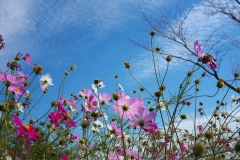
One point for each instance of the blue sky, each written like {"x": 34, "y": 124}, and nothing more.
{"x": 92, "y": 35}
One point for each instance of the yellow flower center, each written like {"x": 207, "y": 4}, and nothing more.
{"x": 90, "y": 104}
{"x": 68, "y": 115}
{"x": 16, "y": 89}
{"x": 26, "y": 127}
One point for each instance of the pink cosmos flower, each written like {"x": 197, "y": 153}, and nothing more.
{"x": 200, "y": 128}
{"x": 182, "y": 146}
{"x": 133, "y": 155}
{"x": 113, "y": 129}
{"x": 27, "y": 58}
{"x": 10, "y": 79}
{"x": 18, "y": 90}
{"x": 22, "y": 75}
{"x": 91, "y": 103}
{"x": 143, "y": 119}
{"x": 104, "y": 98}
{"x": 25, "y": 129}
{"x": 127, "y": 108}
{"x": 205, "y": 57}
{"x": 86, "y": 93}
{"x": 114, "y": 156}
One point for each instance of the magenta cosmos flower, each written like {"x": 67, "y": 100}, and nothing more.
{"x": 126, "y": 108}
{"x": 55, "y": 118}
{"x": 104, "y": 98}
{"x": 25, "y": 129}
{"x": 205, "y": 57}
{"x": 143, "y": 119}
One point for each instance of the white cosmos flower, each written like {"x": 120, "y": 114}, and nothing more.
{"x": 73, "y": 109}
{"x": 94, "y": 88}
{"x": 162, "y": 105}
{"x": 95, "y": 129}
{"x": 121, "y": 87}
{"x": 101, "y": 85}
{"x": 98, "y": 123}
{"x": 45, "y": 81}
{"x": 20, "y": 107}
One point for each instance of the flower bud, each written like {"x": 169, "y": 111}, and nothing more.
{"x": 220, "y": 83}
{"x": 54, "y": 103}
{"x": 197, "y": 81}
{"x": 208, "y": 134}
{"x": 236, "y": 74}
{"x": 85, "y": 123}
{"x": 190, "y": 73}
{"x": 116, "y": 76}
{"x": 73, "y": 67}
{"x": 162, "y": 87}
{"x": 142, "y": 89}
{"x": 127, "y": 64}
{"x": 158, "y": 93}
{"x": 152, "y": 32}
{"x": 168, "y": 58}
{"x": 115, "y": 96}
{"x": 183, "y": 116}
{"x": 158, "y": 49}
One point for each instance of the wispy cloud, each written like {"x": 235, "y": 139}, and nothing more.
{"x": 48, "y": 28}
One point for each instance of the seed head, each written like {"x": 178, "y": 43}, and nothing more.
{"x": 198, "y": 149}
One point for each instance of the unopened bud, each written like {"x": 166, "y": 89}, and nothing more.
{"x": 115, "y": 96}
{"x": 127, "y": 64}
{"x": 169, "y": 58}
{"x": 73, "y": 67}
{"x": 220, "y": 83}
{"x": 152, "y": 32}
{"x": 37, "y": 69}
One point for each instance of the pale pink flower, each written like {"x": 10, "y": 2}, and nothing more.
{"x": 205, "y": 57}
{"x": 143, "y": 119}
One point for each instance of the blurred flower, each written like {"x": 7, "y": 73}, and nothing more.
{"x": 121, "y": 87}
{"x": 95, "y": 129}
{"x": 1, "y": 42}
{"x": 104, "y": 98}
{"x": 25, "y": 129}
{"x": 63, "y": 156}
{"x": 205, "y": 57}
{"x": 113, "y": 129}
{"x": 101, "y": 85}
{"x": 94, "y": 88}
{"x": 98, "y": 123}
{"x": 45, "y": 81}
{"x": 20, "y": 107}
{"x": 200, "y": 128}
{"x": 27, "y": 58}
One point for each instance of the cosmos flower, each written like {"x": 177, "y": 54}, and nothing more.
{"x": 143, "y": 119}
{"x": 121, "y": 87}
{"x": 27, "y": 58}
{"x": 45, "y": 81}
{"x": 18, "y": 90}
{"x": 25, "y": 129}
{"x": 55, "y": 118}
{"x": 126, "y": 108}
{"x": 104, "y": 98}
{"x": 205, "y": 57}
